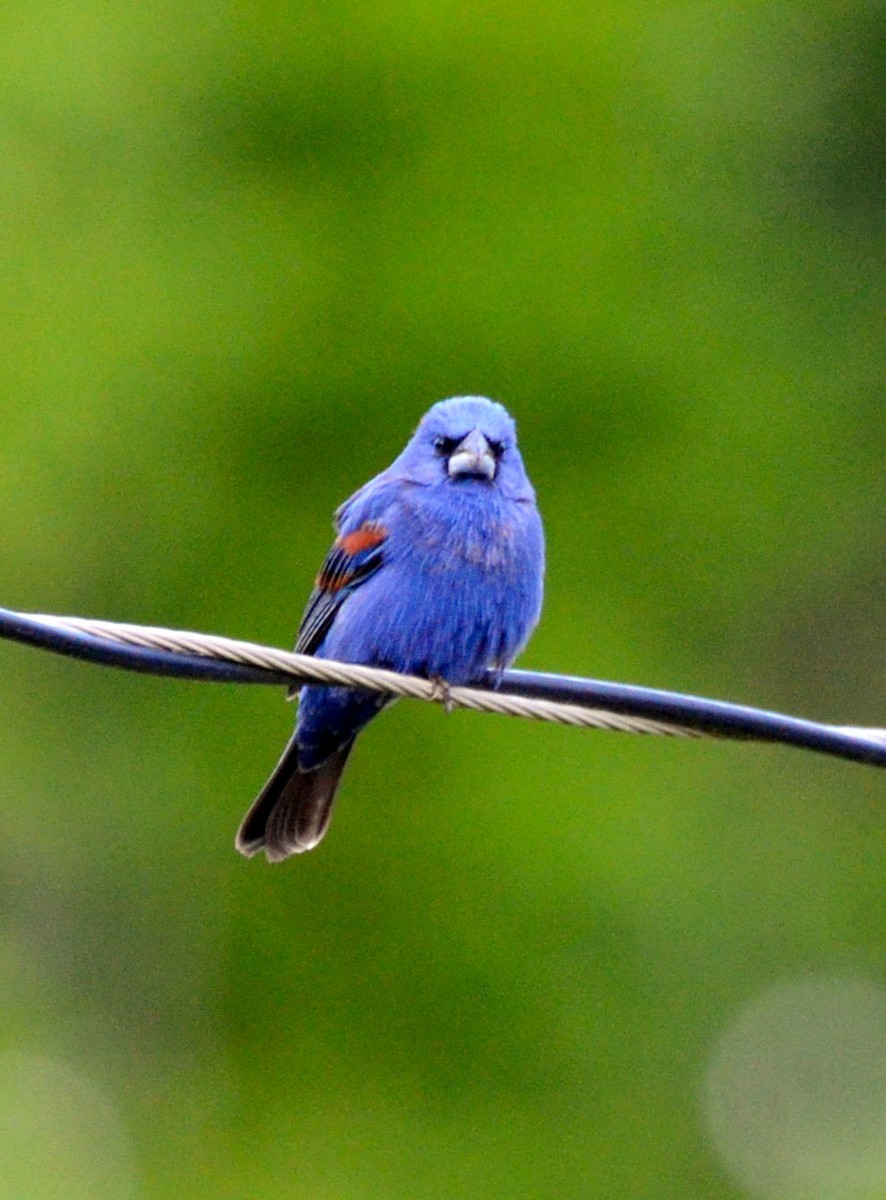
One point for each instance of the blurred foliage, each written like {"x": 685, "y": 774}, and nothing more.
{"x": 242, "y": 248}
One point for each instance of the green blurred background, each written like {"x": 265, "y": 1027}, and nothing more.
{"x": 243, "y": 248}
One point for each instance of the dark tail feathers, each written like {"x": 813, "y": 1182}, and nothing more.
{"x": 292, "y": 811}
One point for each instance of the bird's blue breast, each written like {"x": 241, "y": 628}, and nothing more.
{"x": 460, "y": 589}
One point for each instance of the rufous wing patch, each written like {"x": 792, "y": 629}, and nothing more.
{"x": 365, "y": 538}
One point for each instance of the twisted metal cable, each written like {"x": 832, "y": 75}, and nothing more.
{"x": 569, "y": 700}
{"x": 306, "y": 668}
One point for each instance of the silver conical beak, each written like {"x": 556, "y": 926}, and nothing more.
{"x": 472, "y": 456}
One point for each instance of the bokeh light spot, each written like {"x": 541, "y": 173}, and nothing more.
{"x": 795, "y": 1092}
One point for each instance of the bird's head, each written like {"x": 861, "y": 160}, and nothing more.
{"x": 467, "y": 439}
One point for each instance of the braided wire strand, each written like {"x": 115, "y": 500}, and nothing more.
{"x": 324, "y": 670}
{"x": 567, "y": 699}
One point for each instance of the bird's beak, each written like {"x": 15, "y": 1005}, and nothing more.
{"x": 472, "y": 456}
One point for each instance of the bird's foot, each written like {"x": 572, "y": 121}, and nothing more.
{"x": 442, "y": 693}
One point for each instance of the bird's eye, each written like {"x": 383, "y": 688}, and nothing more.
{"x": 445, "y": 446}
{"x": 497, "y": 449}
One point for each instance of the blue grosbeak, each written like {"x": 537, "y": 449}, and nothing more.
{"x": 437, "y": 571}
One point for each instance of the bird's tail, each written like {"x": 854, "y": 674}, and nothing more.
{"x": 292, "y": 811}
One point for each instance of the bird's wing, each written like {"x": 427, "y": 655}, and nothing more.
{"x": 354, "y": 556}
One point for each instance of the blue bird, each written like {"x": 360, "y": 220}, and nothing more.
{"x": 437, "y": 570}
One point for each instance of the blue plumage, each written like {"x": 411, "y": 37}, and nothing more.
{"x": 437, "y": 570}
